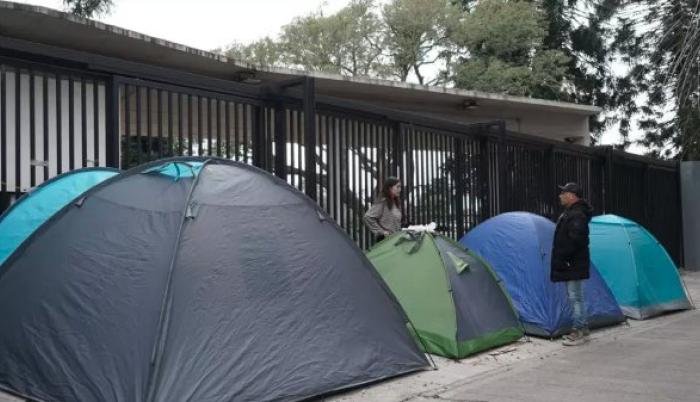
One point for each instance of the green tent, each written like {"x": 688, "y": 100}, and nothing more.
{"x": 452, "y": 297}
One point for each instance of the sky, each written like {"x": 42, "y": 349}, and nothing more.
{"x": 216, "y": 23}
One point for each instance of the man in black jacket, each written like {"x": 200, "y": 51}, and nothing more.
{"x": 571, "y": 258}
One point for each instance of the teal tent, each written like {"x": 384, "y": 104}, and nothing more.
{"x": 42, "y": 202}
{"x": 636, "y": 267}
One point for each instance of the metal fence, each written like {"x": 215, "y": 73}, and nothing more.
{"x": 337, "y": 152}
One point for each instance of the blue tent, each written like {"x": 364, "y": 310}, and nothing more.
{"x": 42, "y": 202}
{"x": 518, "y": 245}
{"x": 639, "y": 271}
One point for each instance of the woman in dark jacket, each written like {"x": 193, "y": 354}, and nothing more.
{"x": 385, "y": 215}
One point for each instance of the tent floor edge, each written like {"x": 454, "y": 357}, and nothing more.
{"x": 489, "y": 341}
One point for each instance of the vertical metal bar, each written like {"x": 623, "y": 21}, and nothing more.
{"x": 397, "y": 150}
{"x": 280, "y": 142}
{"x": 59, "y": 124}
{"x": 211, "y": 106}
{"x": 218, "y": 127}
{"x": 227, "y": 123}
{"x": 442, "y": 178}
{"x": 160, "y": 113}
{"x": 369, "y": 165}
{"x": 320, "y": 130}
{"x": 341, "y": 169}
{"x": 149, "y": 124}
{"x": 459, "y": 185}
{"x": 83, "y": 121}
{"x": 431, "y": 138}
{"x": 190, "y": 124}
{"x": 3, "y": 129}
{"x": 607, "y": 188}
{"x": 171, "y": 125}
{"x": 291, "y": 134}
{"x": 139, "y": 142}
{"x": 425, "y": 172}
{"x": 357, "y": 183}
{"x": 237, "y": 130}
{"x": 200, "y": 125}
{"x": 71, "y": 124}
{"x": 45, "y": 110}
{"x": 414, "y": 175}
{"x": 349, "y": 166}
{"x": 181, "y": 122}
{"x": 469, "y": 177}
{"x": 484, "y": 178}
{"x": 18, "y": 136}
{"x": 310, "y": 135}
{"x": 96, "y": 122}
{"x": 258, "y": 136}
{"x": 113, "y": 134}
{"x": 331, "y": 134}
{"x": 246, "y": 132}
{"x": 424, "y": 199}
{"x": 32, "y": 130}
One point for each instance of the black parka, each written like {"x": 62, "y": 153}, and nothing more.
{"x": 570, "y": 254}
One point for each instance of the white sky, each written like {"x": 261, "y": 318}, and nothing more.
{"x": 205, "y": 24}
{"x": 208, "y": 24}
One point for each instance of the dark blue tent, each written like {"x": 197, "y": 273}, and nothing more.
{"x": 199, "y": 280}
{"x": 518, "y": 245}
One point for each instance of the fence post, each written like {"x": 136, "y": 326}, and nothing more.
{"x": 112, "y": 106}
{"x": 310, "y": 137}
{"x": 681, "y": 240}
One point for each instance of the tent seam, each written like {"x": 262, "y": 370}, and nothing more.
{"x": 166, "y": 303}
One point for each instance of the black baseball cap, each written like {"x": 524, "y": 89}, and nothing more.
{"x": 571, "y": 188}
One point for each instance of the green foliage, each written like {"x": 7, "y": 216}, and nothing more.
{"x": 416, "y": 33}
{"x": 263, "y": 52}
{"x": 88, "y": 8}
{"x": 506, "y": 52}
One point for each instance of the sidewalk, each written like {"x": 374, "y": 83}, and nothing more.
{"x": 652, "y": 360}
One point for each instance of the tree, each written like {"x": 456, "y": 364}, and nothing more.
{"x": 671, "y": 70}
{"x": 88, "y": 8}
{"x": 348, "y": 42}
{"x": 263, "y": 52}
{"x": 504, "y": 40}
{"x": 416, "y": 34}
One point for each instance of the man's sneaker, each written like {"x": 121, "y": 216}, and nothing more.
{"x": 576, "y": 338}
{"x": 585, "y": 331}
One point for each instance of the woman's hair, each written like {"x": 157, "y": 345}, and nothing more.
{"x": 385, "y": 194}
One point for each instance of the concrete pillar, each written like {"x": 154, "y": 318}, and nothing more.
{"x": 690, "y": 200}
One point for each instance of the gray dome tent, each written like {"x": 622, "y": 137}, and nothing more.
{"x": 194, "y": 279}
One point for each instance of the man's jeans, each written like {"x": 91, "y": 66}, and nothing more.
{"x": 574, "y": 289}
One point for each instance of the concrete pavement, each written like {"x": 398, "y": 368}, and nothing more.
{"x": 652, "y": 360}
